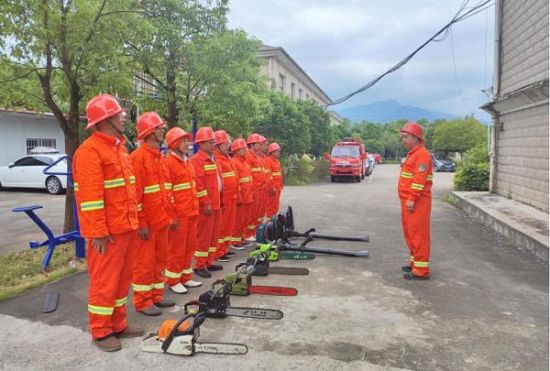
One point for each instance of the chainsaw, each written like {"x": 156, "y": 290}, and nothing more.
{"x": 273, "y": 253}
{"x": 262, "y": 267}
{"x": 180, "y": 338}
{"x": 241, "y": 284}
{"x": 215, "y": 303}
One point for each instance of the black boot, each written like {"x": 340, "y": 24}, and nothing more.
{"x": 410, "y": 276}
{"x": 215, "y": 267}
{"x": 204, "y": 273}
{"x": 406, "y": 268}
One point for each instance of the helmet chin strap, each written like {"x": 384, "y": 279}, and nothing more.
{"x": 121, "y": 133}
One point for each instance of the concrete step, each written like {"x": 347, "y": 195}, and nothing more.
{"x": 523, "y": 225}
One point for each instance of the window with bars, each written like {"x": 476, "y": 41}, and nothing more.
{"x": 47, "y": 143}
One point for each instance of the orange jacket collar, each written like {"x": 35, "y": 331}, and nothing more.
{"x": 114, "y": 141}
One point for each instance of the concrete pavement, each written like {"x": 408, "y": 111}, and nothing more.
{"x": 486, "y": 307}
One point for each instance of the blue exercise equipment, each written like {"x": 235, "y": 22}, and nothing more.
{"x": 53, "y": 241}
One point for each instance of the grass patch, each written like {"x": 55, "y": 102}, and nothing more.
{"x": 449, "y": 198}
{"x": 20, "y": 271}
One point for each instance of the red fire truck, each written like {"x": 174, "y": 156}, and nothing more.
{"x": 347, "y": 159}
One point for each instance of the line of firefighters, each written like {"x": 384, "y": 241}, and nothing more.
{"x": 145, "y": 215}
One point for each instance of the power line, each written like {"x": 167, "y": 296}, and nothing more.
{"x": 482, "y": 5}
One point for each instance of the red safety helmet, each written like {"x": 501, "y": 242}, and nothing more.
{"x": 204, "y": 134}
{"x": 100, "y": 108}
{"x": 147, "y": 123}
{"x": 237, "y": 144}
{"x": 262, "y": 139}
{"x": 273, "y": 147}
{"x": 221, "y": 137}
{"x": 253, "y": 138}
{"x": 413, "y": 128}
{"x": 174, "y": 136}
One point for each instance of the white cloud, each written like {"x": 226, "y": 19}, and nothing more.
{"x": 343, "y": 45}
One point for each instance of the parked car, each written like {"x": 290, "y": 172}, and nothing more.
{"x": 27, "y": 172}
{"x": 443, "y": 165}
{"x": 377, "y": 158}
{"x": 347, "y": 160}
{"x": 371, "y": 162}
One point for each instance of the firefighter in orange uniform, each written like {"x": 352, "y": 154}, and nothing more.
{"x": 107, "y": 212}
{"x": 183, "y": 238}
{"x": 209, "y": 186}
{"x": 269, "y": 190}
{"x": 230, "y": 186}
{"x": 253, "y": 159}
{"x": 274, "y": 166}
{"x": 415, "y": 184}
{"x": 155, "y": 216}
{"x": 245, "y": 196}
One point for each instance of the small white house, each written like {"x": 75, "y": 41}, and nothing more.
{"x": 22, "y": 131}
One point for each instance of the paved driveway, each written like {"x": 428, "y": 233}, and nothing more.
{"x": 486, "y": 307}
{"x": 17, "y": 229}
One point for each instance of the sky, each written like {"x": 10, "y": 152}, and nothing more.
{"x": 342, "y": 45}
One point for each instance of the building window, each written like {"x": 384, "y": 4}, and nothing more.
{"x": 282, "y": 83}
{"x": 144, "y": 85}
{"x": 300, "y": 94}
{"x": 45, "y": 144}
{"x": 293, "y": 91}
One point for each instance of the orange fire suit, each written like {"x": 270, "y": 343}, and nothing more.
{"x": 274, "y": 166}
{"x": 107, "y": 206}
{"x": 229, "y": 195}
{"x": 258, "y": 182}
{"x": 209, "y": 186}
{"x": 268, "y": 187}
{"x": 183, "y": 240}
{"x": 153, "y": 190}
{"x": 415, "y": 183}
{"x": 245, "y": 199}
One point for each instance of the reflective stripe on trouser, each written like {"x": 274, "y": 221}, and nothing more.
{"x": 226, "y": 226}
{"x": 182, "y": 245}
{"x": 110, "y": 276}
{"x": 416, "y": 230}
{"x": 207, "y": 238}
{"x": 273, "y": 203}
{"x": 150, "y": 262}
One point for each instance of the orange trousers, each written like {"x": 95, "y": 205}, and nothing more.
{"x": 416, "y": 230}
{"x": 273, "y": 203}
{"x": 229, "y": 212}
{"x": 208, "y": 230}
{"x": 182, "y": 246}
{"x": 252, "y": 213}
{"x": 240, "y": 226}
{"x": 149, "y": 265}
{"x": 110, "y": 278}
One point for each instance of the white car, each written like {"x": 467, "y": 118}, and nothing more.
{"x": 27, "y": 172}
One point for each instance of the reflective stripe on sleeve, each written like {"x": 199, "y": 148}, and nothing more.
{"x": 151, "y": 189}
{"x": 202, "y": 193}
{"x": 229, "y": 174}
{"x": 181, "y": 186}
{"x": 418, "y": 187}
{"x": 209, "y": 167}
{"x": 276, "y": 173}
{"x": 245, "y": 179}
{"x": 113, "y": 183}
{"x": 92, "y": 205}
{"x": 201, "y": 254}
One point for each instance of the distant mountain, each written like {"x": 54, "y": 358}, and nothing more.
{"x": 391, "y": 110}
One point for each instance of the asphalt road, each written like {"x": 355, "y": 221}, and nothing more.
{"x": 485, "y": 308}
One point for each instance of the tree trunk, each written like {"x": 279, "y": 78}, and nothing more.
{"x": 172, "y": 104}
{"x": 72, "y": 141}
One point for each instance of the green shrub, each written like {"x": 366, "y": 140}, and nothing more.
{"x": 473, "y": 171}
{"x": 303, "y": 170}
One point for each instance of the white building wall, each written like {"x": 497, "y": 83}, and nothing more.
{"x": 15, "y": 128}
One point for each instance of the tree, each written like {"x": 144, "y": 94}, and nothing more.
{"x": 167, "y": 29}
{"x": 61, "y": 52}
{"x": 459, "y": 135}
{"x": 286, "y": 125}
{"x": 375, "y": 145}
{"x": 319, "y": 125}
{"x": 429, "y": 132}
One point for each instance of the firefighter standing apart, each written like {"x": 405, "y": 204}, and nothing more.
{"x": 107, "y": 211}
{"x": 154, "y": 209}
{"x": 414, "y": 187}
{"x": 183, "y": 238}
{"x": 209, "y": 185}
